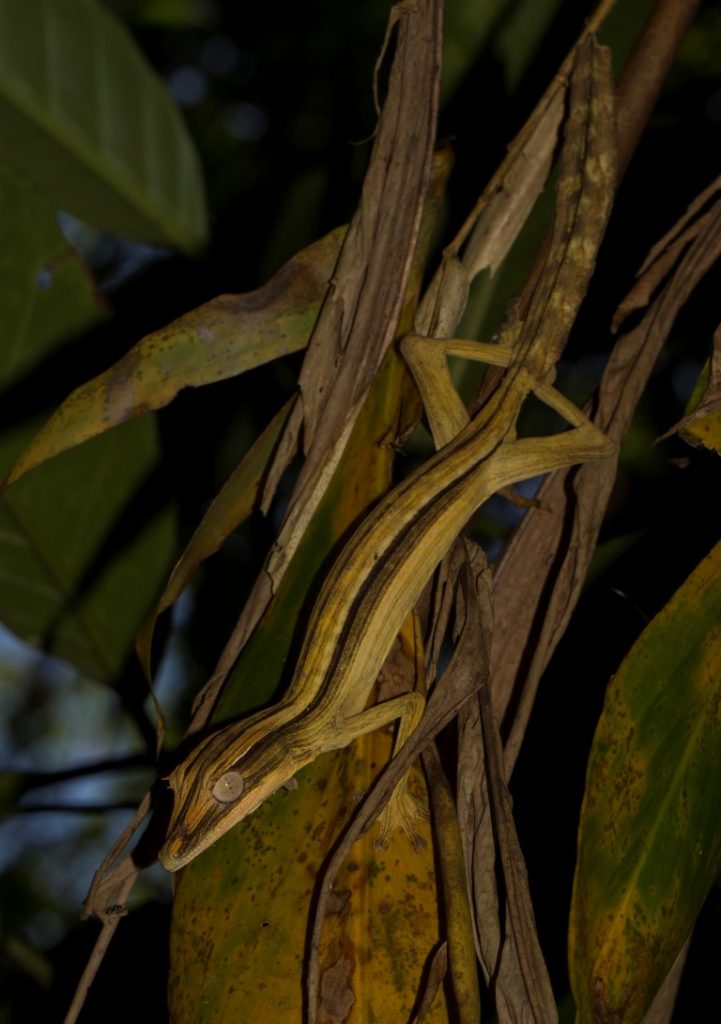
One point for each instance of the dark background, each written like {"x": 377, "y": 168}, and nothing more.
{"x": 278, "y": 100}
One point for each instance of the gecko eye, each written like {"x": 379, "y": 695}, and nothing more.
{"x": 228, "y": 788}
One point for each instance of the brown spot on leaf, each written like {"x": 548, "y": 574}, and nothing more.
{"x": 337, "y": 901}
{"x": 602, "y": 1014}
{"x": 336, "y": 993}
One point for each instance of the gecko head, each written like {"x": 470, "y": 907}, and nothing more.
{"x": 221, "y": 782}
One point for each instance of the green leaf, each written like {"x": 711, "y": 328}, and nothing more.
{"x": 46, "y": 293}
{"x": 84, "y": 115}
{"x": 466, "y": 29}
{"x": 701, "y": 424}
{"x": 247, "y": 907}
{"x": 220, "y": 339}
{"x": 232, "y": 505}
{"x": 650, "y": 836}
{"x": 520, "y": 36}
{"x": 60, "y": 588}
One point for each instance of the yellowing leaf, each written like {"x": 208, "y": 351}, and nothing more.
{"x": 702, "y": 422}
{"x": 241, "y": 910}
{"x": 221, "y": 339}
{"x": 650, "y": 837}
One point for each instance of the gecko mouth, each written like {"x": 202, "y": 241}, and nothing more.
{"x": 176, "y": 851}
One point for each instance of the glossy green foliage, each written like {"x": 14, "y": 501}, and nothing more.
{"x": 46, "y": 294}
{"x": 79, "y": 571}
{"x": 84, "y": 116}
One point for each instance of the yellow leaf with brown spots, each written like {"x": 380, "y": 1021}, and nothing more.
{"x": 222, "y": 338}
{"x": 650, "y": 838}
{"x": 241, "y": 912}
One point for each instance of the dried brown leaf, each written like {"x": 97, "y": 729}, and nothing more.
{"x": 586, "y": 180}
{"x": 551, "y": 549}
{"x": 508, "y": 208}
{"x": 649, "y": 280}
{"x": 436, "y": 974}
{"x": 477, "y": 832}
{"x": 512, "y": 963}
{"x": 491, "y": 228}
{"x": 661, "y": 1009}
{"x": 472, "y": 791}
{"x": 110, "y": 878}
{"x": 452, "y": 878}
{"x": 535, "y": 999}
{"x": 679, "y": 229}
{"x": 664, "y": 255}
{"x": 359, "y": 318}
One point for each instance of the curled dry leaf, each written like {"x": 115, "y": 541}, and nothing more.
{"x": 221, "y": 339}
{"x": 361, "y": 315}
{"x": 544, "y": 543}
{"x": 434, "y": 979}
{"x": 553, "y": 545}
{"x": 360, "y": 318}
{"x": 451, "y": 872}
{"x": 665, "y": 254}
{"x": 510, "y": 957}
